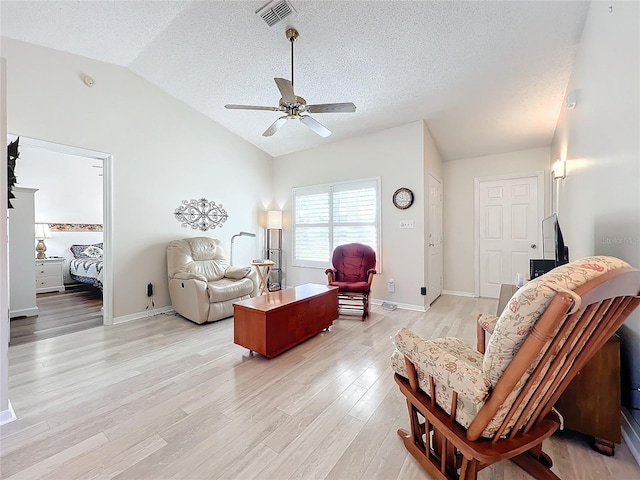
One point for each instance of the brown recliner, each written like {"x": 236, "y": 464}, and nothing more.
{"x": 353, "y": 270}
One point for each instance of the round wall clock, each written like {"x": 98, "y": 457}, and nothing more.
{"x": 403, "y": 198}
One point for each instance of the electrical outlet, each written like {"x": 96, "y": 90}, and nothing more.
{"x": 149, "y": 289}
{"x": 423, "y": 290}
{"x": 391, "y": 285}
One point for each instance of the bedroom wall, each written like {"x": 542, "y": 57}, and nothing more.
{"x": 163, "y": 153}
{"x": 599, "y": 200}
{"x": 69, "y": 186}
{"x": 396, "y": 156}
{"x": 458, "y": 176}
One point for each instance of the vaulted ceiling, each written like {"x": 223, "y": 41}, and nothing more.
{"x": 487, "y": 77}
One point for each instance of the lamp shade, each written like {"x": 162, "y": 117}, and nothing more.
{"x": 274, "y": 219}
{"x": 559, "y": 169}
{"x": 42, "y": 231}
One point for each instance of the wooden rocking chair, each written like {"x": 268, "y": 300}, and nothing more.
{"x": 468, "y": 411}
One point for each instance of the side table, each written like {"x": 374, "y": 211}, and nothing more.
{"x": 49, "y": 275}
{"x": 263, "y": 267}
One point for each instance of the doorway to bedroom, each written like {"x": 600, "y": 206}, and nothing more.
{"x": 67, "y": 257}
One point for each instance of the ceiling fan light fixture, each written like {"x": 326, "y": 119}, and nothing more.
{"x": 275, "y": 11}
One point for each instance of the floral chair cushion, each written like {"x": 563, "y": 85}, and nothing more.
{"x": 487, "y": 322}
{"x": 454, "y": 365}
{"x": 528, "y": 303}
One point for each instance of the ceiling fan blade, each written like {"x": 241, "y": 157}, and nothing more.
{"x": 286, "y": 90}
{"x": 331, "y": 108}
{"x": 251, "y": 107}
{"x": 275, "y": 126}
{"x": 315, "y": 125}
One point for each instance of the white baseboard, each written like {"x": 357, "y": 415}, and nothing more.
{"x": 631, "y": 434}
{"x": 25, "y": 312}
{"x": 458, "y": 294}
{"x": 403, "y": 306}
{"x": 146, "y": 314}
{"x": 8, "y": 415}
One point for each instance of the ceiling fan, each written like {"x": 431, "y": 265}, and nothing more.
{"x": 294, "y": 106}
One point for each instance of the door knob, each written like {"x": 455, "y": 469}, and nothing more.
{"x": 432, "y": 244}
{"x": 534, "y": 246}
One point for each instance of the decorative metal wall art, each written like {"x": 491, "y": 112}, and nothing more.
{"x": 201, "y": 214}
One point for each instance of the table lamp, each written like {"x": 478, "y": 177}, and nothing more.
{"x": 42, "y": 232}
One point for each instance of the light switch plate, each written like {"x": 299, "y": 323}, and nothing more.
{"x": 406, "y": 223}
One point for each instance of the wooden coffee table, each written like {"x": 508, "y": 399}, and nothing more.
{"x": 272, "y": 323}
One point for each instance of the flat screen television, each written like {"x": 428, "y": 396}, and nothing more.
{"x": 553, "y": 247}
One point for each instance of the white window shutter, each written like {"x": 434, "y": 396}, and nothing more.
{"x": 326, "y": 216}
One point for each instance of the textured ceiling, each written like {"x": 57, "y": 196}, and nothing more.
{"x": 488, "y": 77}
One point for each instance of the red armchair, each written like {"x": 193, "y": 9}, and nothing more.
{"x": 353, "y": 270}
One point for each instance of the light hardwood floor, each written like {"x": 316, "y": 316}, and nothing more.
{"x": 164, "y": 398}
{"x": 76, "y": 309}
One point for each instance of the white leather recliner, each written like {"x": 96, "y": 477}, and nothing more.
{"x": 202, "y": 285}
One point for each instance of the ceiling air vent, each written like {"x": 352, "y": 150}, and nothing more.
{"x": 275, "y": 11}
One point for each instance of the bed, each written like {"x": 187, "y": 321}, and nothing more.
{"x": 87, "y": 263}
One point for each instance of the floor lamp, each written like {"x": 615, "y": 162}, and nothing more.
{"x": 274, "y": 248}
{"x": 241, "y": 234}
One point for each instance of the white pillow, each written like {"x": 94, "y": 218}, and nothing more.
{"x": 92, "y": 251}
{"x": 237, "y": 273}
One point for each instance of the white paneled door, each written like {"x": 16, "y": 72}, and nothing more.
{"x": 509, "y": 228}
{"x": 434, "y": 239}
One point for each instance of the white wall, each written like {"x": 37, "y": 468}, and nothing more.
{"x": 599, "y": 201}
{"x": 432, "y": 166}
{"x": 458, "y": 207}
{"x": 432, "y": 157}
{"x": 69, "y": 186}
{"x": 163, "y": 151}
{"x": 396, "y": 156}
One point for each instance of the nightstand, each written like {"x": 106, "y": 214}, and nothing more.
{"x": 49, "y": 275}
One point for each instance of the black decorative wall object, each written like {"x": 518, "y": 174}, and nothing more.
{"x": 201, "y": 214}
{"x": 12, "y": 156}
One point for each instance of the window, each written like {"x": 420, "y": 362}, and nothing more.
{"x": 325, "y": 216}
